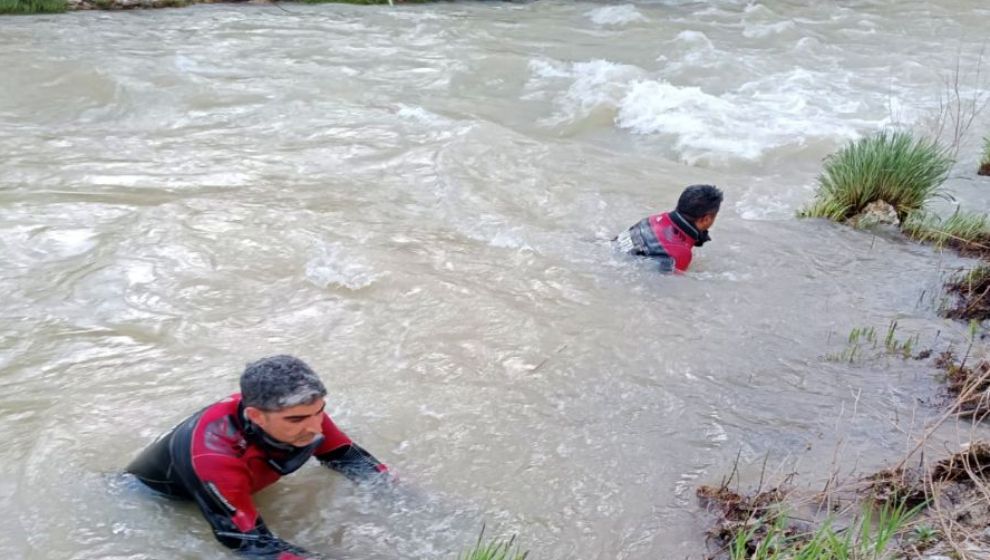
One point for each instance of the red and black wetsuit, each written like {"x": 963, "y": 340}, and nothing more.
{"x": 219, "y": 459}
{"x": 668, "y": 238}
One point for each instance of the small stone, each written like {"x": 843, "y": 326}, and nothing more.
{"x": 876, "y": 213}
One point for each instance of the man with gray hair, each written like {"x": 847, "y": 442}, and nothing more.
{"x": 223, "y": 454}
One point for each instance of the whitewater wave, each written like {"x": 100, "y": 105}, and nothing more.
{"x": 788, "y": 108}
{"x": 745, "y": 123}
{"x": 593, "y": 85}
{"x": 335, "y": 267}
{"x": 615, "y": 15}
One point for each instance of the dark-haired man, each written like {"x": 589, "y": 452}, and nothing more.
{"x": 671, "y": 236}
{"x": 223, "y": 454}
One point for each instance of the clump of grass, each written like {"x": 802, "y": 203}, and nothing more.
{"x": 924, "y": 535}
{"x": 973, "y": 291}
{"x": 968, "y": 233}
{"x": 969, "y": 385}
{"x": 864, "y": 343}
{"x": 495, "y": 549}
{"x": 868, "y": 538}
{"x": 985, "y": 158}
{"x": 894, "y": 167}
{"x": 33, "y": 6}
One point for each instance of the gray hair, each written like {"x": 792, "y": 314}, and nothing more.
{"x": 279, "y": 382}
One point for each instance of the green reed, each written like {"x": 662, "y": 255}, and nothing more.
{"x": 32, "y": 6}
{"x": 895, "y": 167}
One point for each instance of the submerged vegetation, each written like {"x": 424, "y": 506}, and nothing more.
{"x": 868, "y": 538}
{"x": 972, "y": 291}
{"x": 985, "y": 158}
{"x": 33, "y": 6}
{"x": 894, "y": 167}
{"x": 758, "y": 527}
{"x": 863, "y": 343}
{"x": 938, "y": 510}
{"x": 965, "y": 232}
{"x": 969, "y": 385}
{"x": 495, "y": 549}
{"x": 899, "y": 173}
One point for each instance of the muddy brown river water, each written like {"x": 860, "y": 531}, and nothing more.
{"x": 418, "y": 200}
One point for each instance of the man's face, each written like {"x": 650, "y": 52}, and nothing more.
{"x": 706, "y": 222}
{"x": 296, "y": 425}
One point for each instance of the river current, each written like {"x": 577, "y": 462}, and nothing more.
{"x": 417, "y": 201}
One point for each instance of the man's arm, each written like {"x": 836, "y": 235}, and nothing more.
{"x": 341, "y": 454}
{"x": 257, "y": 542}
{"x": 228, "y": 508}
{"x": 352, "y": 461}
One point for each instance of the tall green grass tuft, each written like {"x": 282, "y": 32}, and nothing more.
{"x": 869, "y": 538}
{"x": 496, "y": 549}
{"x": 895, "y": 167}
{"x": 33, "y": 6}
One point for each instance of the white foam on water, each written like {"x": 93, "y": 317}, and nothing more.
{"x": 757, "y": 206}
{"x": 761, "y": 30}
{"x": 746, "y": 123}
{"x": 695, "y": 38}
{"x": 508, "y": 240}
{"x": 140, "y": 273}
{"x": 421, "y": 115}
{"x": 335, "y": 267}
{"x": 759, "y": 9}
{"x": 516, "y": 365}
{"x": 594, "y": 85}
{"x": 615, "y": 15}
{"x": 705, "y": 103}
{"x": 741, "y": 122}
{"x": 543, "y": 68}
{"x": 62, "y": 243}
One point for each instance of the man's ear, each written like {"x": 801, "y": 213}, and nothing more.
{"x": 255, "y": 415}
{"x": 705, "y": 222}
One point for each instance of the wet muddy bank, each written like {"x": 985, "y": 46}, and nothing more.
{"x": 932, "y": 511}
{"x": 971, "y": 290}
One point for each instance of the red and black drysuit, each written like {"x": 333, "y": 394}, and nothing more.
{"x": 218, "y": 458}
{"x": 668, "y": 238}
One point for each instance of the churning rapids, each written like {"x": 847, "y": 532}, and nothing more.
{"x": 417, "y": 201}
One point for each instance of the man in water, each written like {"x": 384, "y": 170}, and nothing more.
{"x": 223, "y": 454}
{"x": 670, "y": 237}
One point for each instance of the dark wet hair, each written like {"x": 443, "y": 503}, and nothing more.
{"x": 279, "y": 382}
{"x": 697, "y": 201}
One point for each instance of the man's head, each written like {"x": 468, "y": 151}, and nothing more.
{"x": 699, "y": 204}
{"x": 284, "y": 397}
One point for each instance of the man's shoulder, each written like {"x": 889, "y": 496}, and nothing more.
{"x": 218, "y": 432}
{"x": 228, "y": 405}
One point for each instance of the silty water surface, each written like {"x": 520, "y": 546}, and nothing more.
{"x": 417, "y": 201}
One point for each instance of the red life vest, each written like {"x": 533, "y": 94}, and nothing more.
{"x": 677, "y": 243}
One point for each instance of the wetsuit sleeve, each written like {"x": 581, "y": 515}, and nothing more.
{"x": 341, "y": 454}
{"x": 224, "y": 497}
{"x": 354, "y": 462}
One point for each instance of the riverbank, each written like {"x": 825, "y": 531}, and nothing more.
{"x": 24, "y": 7}
{"x": 933, "y": 511}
